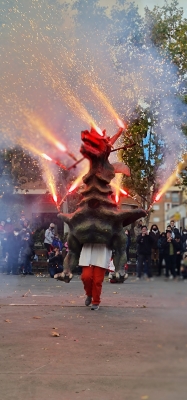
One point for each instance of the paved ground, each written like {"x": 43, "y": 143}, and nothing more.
{"x": 134, "y": 347}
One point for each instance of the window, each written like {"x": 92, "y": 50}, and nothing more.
{"x": 168, "y": 194}
{"x": 167, "y": 206}
{"x": 156, "y": 207}
{"x": 156, "y": 219}
{"x": 175, "y": 197}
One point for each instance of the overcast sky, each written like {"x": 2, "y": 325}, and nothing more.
{"x": 150, "y": 3}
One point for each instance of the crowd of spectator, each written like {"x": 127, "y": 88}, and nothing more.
{"x": 163, "y": 252}
{"x": 18, "y": 247}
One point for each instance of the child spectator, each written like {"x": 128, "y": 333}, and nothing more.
{"x": 57, "y": 242}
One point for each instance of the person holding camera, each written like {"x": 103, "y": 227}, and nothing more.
{"x": 55, "y": 260}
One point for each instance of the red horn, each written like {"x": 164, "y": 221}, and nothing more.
{"x": 116, "y": 136}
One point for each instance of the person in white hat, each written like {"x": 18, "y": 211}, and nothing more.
{"x": 49, "y": 236}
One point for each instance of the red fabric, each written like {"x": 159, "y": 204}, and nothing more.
{"x": 92, "y": 278}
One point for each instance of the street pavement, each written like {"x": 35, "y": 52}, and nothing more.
{"x": 53, "y": 347}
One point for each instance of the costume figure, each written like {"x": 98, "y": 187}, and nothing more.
{"x": 97, "y": 226}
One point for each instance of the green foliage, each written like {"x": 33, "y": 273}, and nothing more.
{"x": 168, "y": 32}
{"x": 39, "y": 235}
{"x": 144, "y": 159}
{"x": 16, "y": 168}
{"x": 24, "y": 166}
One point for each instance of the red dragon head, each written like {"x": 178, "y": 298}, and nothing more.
{"x": 96, "y": 145}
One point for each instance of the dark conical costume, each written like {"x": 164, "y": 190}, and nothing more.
{"x": 98, "y": 219}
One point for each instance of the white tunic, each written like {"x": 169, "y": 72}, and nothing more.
{"x": 95, "y": 254}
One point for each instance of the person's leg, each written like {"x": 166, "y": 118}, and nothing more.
{"x": 178, "y": 264}
{"x": 149, "y": 269}
{"x": 28, "y": 267}
{"x": 127, "y": 254}
{"x": 9, "y": 265}
{"x": 167, "y": 260}
{"x": 15, "y": 267}
{"x": 98, "y": 277}
{"x": 4, "y": 247}
{"x": 157, "y": 258}
{"x": 140, "y": 264}
{"x": 173, "y": 265}
{"x": 161, "y": 258}
{"x": 48, "y": 247}
{"x": 52, "y": 271}
{"x": 87, "y": 279}
{"x": 145, "y": 268}
{"x": 153, "y": 257}
{"x": 59, "y": 268}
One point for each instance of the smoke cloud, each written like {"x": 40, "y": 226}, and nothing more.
{"x": 59, "y": 60}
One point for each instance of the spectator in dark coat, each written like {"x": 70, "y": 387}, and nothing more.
{"x": 184, "y": 239}
{"x": 3, "y": 238}
{"x": 27, "y": 254}
{"x": 55, "y": 262}
{"x": 8, "y": 226}
{"x": 170, "y": 255}
{"x": 179, "y": 253}
{"x": 155, "y": 234}
{"x": 161, "y": 247}
{"x": 144, "y": 242}
{"x": 26, "y": 228}
{"x": 7, "y": 229}
{"x": 183, "y": 269}
{"x": 174, "y": 230}
{"x": 13, "y": 250}
{"x": 128, "y": 243}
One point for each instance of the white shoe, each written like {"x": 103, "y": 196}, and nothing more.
{"x": 171, "y": 277}
{"x": 137, "y": 279}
